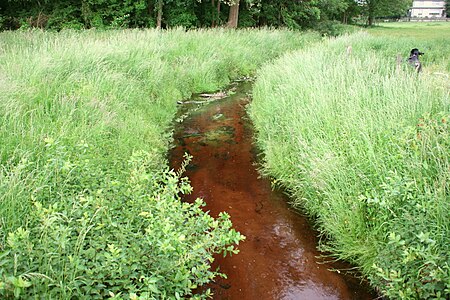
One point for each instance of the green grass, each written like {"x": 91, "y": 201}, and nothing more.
{"x": 415, "y": 30}
{"x": 362, "y": 146}
{"x": 429, "y": 37}
{"x": 88, "y": 207}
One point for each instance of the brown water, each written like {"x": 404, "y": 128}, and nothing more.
{"x": 278, "y": 259}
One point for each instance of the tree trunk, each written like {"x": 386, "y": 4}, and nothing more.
{"x": 371, "y": 12}
{"x": 218, "y": 13}
{"x": 344, "y": 18}
{"x": 370, "y": 20}
{"x": 159, "y": 16}
{"x": 86, "y": 14}
{"x": 234, "y": 15}
{"x": 213, "y": 22}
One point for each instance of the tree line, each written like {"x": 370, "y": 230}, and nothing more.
{"x": 295, "y": 14}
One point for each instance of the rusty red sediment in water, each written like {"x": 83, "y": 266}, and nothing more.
{"x": 278, "y": 259}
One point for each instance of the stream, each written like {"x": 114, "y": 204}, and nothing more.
{"x": 279, "y": 257}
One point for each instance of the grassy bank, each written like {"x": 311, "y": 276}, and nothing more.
{"x": 87, "y": 205}
{"x": 363, "y": 146}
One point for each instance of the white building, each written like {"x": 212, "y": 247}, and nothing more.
{"x": 428, "y": 9}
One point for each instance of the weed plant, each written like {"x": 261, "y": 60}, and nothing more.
{"x": 363, "y": 146}
{"x": 88, "y": 207}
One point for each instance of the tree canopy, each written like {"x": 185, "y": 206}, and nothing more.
{"x": 79, "y": 14}
{"x": 383, "y": 8}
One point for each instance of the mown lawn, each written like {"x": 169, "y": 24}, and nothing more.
{"x": 415, "y": 30}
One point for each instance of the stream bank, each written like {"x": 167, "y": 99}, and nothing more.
{"x": 279, "y": 258}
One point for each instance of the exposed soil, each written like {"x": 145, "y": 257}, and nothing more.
{"x": 278, "y": 259}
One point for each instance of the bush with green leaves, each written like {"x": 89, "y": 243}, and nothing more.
{"x": 115, "y": 237}
{"x": 334, "y": 28}
{"x": 362, "y": 144}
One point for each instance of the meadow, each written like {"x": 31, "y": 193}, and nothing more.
{"x": 418, "y": 31}
{"x": 362, "y": 145}
{"x": 88, "y": 206}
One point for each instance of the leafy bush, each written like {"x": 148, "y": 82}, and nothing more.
{"x": 112, "y": 237}
{"x": 414, "y": 262}
{"x": 179, "y": 16}
{"x": 334, "y": 28}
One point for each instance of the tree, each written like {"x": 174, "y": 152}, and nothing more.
{"x": 341, "y": 10}
{"x": 295, "y": 14}
{"x": 171, "y": 13}
{"x": 332, "y": 9}
{"x": 234, "y": 14}
{"x": 383, "y": 8}
{"x": 447, "y": 8}
{"x": 288, "y": 13}
{"x": 159, "y": 14}
{"x": 215, "y": 13}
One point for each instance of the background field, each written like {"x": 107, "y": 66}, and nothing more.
{"x": 413, "y": 30}
{"x": 430, "y": 37}
{"x": 363, "y": 146}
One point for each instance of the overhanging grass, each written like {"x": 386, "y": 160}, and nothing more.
{"x": 363, "y": 146}
{"x": 86, "y": 206}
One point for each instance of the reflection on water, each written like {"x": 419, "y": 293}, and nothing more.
{"x": 278, "y": 260}
{"x": 306, "y": 290}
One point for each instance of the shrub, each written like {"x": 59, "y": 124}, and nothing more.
{"x": 94, "y": 234}
{"x": 334, "y": 28}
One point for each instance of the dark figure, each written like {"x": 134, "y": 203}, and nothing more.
{"x": 414, "y": 61}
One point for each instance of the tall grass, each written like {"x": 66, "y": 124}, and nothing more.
{"x": 363, "y": 146}
{"x": 87, "y": 205}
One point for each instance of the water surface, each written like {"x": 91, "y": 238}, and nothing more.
{"x": 278, "y": 259}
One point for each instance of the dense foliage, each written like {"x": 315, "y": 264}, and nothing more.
{"x": 88, "y": 207}
{"x": 77, "y": 14}
{"x": 383, "y": 8}
{"x": 363, "y": 145}
{"x": 99, "y": 235}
